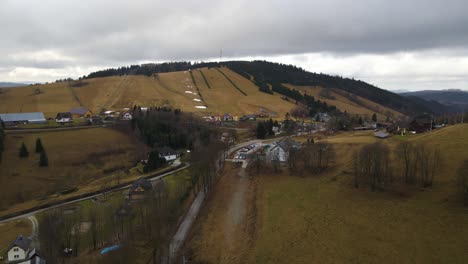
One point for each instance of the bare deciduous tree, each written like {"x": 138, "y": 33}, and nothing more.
{"x": 372, "y": 166}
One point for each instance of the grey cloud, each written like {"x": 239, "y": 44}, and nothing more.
{"x": 117, "y": 32}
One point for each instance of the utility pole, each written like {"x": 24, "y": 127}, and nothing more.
{"x": 220, "y": 55}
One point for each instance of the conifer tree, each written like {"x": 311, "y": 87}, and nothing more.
{"x": 39, "y": 147}
{"x": 23, "y": 153}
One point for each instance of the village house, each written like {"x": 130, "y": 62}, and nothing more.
{"x": 79, "y": 112}
{"x": 421, "y": 124}
{"x": 13, "y": 119}
{"x": 167, "y": 153}
{"x": 21, "y": 252}
{"x": 64, "y": 117}
{"x": 139, "y": 189}
{"x": 281, "y": 150}
{"x": 127, "y": 116}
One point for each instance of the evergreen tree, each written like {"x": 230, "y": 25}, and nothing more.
{"x": 43, "y": 159}
{"x": 261, "y": 131}
{"x": 154, "y": 161}
{"x": 360, "y": 121}
{"x": 374, "y": 117}
{"x": 23, "y": 153}
{"x": 39, "y": 147}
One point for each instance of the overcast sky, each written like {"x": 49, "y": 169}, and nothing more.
{"x": 399, "y": 44}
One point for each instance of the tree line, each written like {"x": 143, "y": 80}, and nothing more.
{"x": 373, "y": 166}
{"x": 310, "y": 158}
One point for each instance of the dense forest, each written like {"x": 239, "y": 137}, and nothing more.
{"x": 269, "y": 77}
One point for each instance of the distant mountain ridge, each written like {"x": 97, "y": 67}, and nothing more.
{"x": 10, "y": 84}
{"x": 455, "y": 98}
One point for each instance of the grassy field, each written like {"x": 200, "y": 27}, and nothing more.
{"x": 323, "y": 219}
{"x": 76, "y": 158}
{"x": 364, "y": 107}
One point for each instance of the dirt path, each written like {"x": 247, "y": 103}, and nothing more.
{"x": 35, "y": 231}
{"x": 225, "y": 229}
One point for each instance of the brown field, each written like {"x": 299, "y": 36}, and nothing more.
{"x": 323, "y": 219}
{"x": 81, "y": 158}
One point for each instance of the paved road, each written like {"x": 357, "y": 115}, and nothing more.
{"x": 89, "y": 197}
{"x": 179, "y": 238}
{"x": 57, "y": 129}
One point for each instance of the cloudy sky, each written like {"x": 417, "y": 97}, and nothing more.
{"x": 399, "y": 44}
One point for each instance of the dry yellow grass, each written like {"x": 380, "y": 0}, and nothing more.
{"x": 366, "y": 108}
{"x": 76, "y": 158}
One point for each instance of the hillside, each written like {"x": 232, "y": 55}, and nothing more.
{"x": 175, "y": 89}
{"x": 456, "y": 99}
{"x": 269, "y": 77}
{"x": 206, "y": 90}
{"x": 348, "y": 102}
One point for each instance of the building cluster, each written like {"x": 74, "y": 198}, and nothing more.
{"x": 14, "y": 119}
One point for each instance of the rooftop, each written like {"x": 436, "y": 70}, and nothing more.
{"x": 15, "y": 117}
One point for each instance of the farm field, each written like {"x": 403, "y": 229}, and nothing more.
{"x": 323, "y": 219}
{"x": 80, "y": 158}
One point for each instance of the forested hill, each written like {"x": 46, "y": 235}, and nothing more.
{"x": 457, "y": 99}
{"x": 269, "y": 77}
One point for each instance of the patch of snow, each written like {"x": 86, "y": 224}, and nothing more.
{"x": 189, "y": 92}
{"x": 198, "y": 100}
{"x": 200, "y": 107}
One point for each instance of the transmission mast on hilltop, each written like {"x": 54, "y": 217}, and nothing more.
{"x": 220, "y": 55}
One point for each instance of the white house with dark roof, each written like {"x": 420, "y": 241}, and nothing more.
{"x": 167, "y": 153}
{"x": 21, "y": 252}
{"x": 280, "y": 150}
